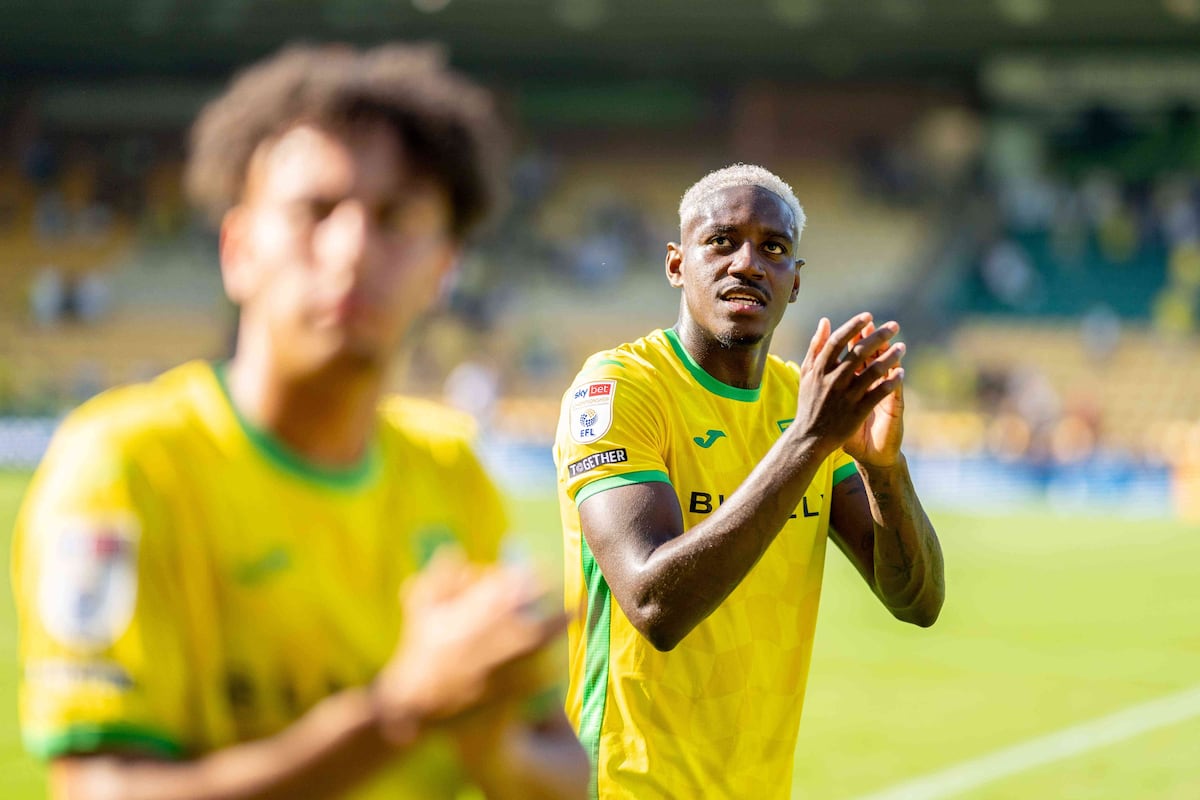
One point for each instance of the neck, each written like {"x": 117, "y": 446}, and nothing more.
{"x": 739, "y": 365}
{"x": 326, "y": 417}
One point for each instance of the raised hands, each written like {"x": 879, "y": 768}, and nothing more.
{"x": 473, "y": 636}
{"x": 851, "y": 390}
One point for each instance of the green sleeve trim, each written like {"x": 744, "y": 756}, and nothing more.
{"x": 608, "y": 362}
{"x": 283, "y": 457}
{"x": 96, "y": 738}
{"x": 613, "y": 481}
{"x": 844, "y": 471}
{"x": 595, "y": 662}
{"x": 703, "y": 378}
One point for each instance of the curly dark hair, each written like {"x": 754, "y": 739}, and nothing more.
{"x": 447, "y": 124}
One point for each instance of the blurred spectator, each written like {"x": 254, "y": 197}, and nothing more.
{"x": 473, "y": 386}
{"x": 1073, "y": 440}
{"x": 1010, "y": 276}
{"x": 51, "y": 218}
{"x": 91, "y": 297}
{"x": 1101, "y": 332}
{"x": 47, "y": 296}
{"x": 1174, "y": 312}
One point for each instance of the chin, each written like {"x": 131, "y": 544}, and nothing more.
{"x": 736, "y": 338}
{"x": 344, "y": 354}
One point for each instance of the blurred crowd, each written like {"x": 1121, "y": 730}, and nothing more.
{"x": 1093, "y": 225}
{"x": 1100, "y": 216}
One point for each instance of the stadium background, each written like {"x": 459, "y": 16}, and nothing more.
{"x": 1017, "y": 181}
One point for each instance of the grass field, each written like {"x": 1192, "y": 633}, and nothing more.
{"x": 1049, "y": 622}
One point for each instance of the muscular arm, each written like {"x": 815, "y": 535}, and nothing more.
{"x": 881, "y": 527}
{"x": 667, "y": 583}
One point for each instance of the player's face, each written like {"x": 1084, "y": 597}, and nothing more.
{"x": 337, "y": 246}
{"x": 736, "y": 264}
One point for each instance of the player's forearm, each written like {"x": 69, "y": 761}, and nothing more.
{"x": 909, "y": 574}
{"x": 686, "y": 578}
{"x": 322, "y": 754}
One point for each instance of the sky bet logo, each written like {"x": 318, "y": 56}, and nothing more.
{"x": 594, "y": 390}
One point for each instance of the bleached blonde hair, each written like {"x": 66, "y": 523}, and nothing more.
{"x": 742, "y": 175}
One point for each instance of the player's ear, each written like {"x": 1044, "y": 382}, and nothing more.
{"x": 796, "y": 281}
{"x": 674, "y": 265}
{"x": 235, "y": 262}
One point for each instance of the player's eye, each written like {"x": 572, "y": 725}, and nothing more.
{"x": 774, "y": 248}
{"x": 720, "y": 241}
{"x": 317, "y": 209}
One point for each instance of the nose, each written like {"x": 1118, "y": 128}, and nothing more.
{"x": 345, "y": 237}
{"x": 745, "y": 262}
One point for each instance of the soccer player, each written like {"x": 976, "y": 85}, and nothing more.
{"x": 699, "y": 477}
{"x": 209, "y": 567}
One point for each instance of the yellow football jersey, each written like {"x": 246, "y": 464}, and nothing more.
{"x": 184, "y": 582}
{"x": 718, "y": 716}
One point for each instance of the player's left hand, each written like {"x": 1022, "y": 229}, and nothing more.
{"x": 877, "y": 442}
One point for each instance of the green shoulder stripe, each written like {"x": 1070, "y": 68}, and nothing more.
{"x": 98, "y": 738}
{"x": 844, "y": 471}
{"x": 613, "y": 481}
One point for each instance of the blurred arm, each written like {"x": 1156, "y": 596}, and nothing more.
{"x": 529, "y": 761}
{"x": 469, "y": 645}
{"x": 320, "y": 755}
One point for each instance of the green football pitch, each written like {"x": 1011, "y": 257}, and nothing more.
{"x": 1050, "y": 623}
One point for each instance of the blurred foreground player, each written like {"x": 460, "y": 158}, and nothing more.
{"x": 209, "y": 566}
{"x": 699, "y": 477}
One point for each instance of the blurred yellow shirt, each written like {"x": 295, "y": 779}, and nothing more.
{"x": 718, "y": 716}
{"x": 185, "y": 583}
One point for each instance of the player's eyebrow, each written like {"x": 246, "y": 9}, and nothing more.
{"x": 725, "y": 229}
{"x": 776, "y": 234}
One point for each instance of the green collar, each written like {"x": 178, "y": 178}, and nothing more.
{"x": 279, "y": 454}
{"x": 703, "y": 378}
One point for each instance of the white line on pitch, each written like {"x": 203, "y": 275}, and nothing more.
{"x": 1047, "y": 749}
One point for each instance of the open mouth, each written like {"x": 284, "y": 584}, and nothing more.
{"x": 744, "y": 299}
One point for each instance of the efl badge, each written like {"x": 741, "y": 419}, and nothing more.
{"x": 591, "y": 410}
{"x": 88, "y": 584}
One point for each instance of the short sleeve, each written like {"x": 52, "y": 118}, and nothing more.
{"x": 100, "y": 645}
{"x": 842, "y": 466}
{"x": 611, "y": 432}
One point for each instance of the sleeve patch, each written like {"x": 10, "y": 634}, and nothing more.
{"x": 591, "y": 410}
{"x": 618, "y": 455}
{"x": 88, "y": 584}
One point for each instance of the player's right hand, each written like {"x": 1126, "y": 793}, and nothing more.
{"x": 845, "y": 375}
{"x": 472, "y": 636}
